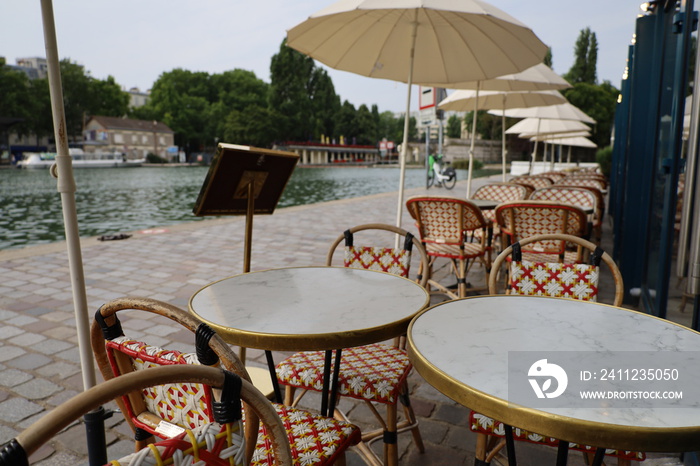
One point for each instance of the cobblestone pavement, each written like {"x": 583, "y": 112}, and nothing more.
{"x": 39, "y": 359}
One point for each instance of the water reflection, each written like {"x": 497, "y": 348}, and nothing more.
{"x": 115, "y": 200}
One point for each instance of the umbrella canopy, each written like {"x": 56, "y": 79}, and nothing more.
{"x": 540, "y": 120}
{"x": 428, "y": 42}
{"x": 565, "y": 111}
{"x": 578, "y": 141}
{"x": 538, "y": 126}
{"x": 464, "y": 100}
{"x": 536, "y": 78}
{"x": 549, "y": 136}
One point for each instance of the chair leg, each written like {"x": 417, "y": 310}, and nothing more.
{"x": 391, "y": 450}
{"x": 487, "y": 447}
{"x": 289, "y": 395}
{"x": 411, "y": 418}
{"x": 462, "y": 278}
{"x": 415, "y": 430}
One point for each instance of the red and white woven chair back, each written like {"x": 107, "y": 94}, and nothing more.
{"x": 552, "y": 279}
{"x": 522, "y": 220}
{"x": 554, "y": 176}
{"x": 571, "y": 195}
{"x": 503, "y": 192}
{"x": 390, "y": 260}
{"x": 535, "y": 181}
{"x": 444, "y": 220}
{"x": 183, "y": 405}
{"x": 583, "y": 182}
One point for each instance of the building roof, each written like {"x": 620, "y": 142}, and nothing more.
{"x": 132, "y": 125}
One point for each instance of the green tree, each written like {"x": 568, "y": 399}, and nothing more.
{"x": 454, "y": 126}
{"x": 325, "y": 103}
{"x": 77, "y": 97}
{"x": 41, "y": 120}
{"x": 107, "y": 98}
{"x": 181, "y": 99}
{"x": 345, "y": 121}
{"x": 487, "y": 125}
{"x": 389, "y": 127}
{"x": 365, "y": 129}
{"x": 585, "y": 59}
{"x": 291, "y": 74}
{"x": 254, "y": 125}
{"x": 16, "y": 98}
{"x": 597, "y": 101}
{"x": 548, "y": 58}
{"x": 236, "y": 92}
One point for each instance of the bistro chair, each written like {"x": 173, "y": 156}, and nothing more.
{"x": 376, "y": 373}
{"x": 454, "y": 229}
{"x": 590, "y": 175}
{"x": 554, "y": 175}
{"x": 521, "y": 219}
{"x": 576, "y": 196}
{"x": 583, "y": 182}
{"x": 219, "y": 443}
{"x": 312, "y": 438}
{"x": 527, "y": 278}
{"x": 535, "y": 181}
{"x": 500, "y": 192}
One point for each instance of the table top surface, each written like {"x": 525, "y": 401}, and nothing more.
{"x": 485, "y": 204}
{"x": 309, "y": 308}
{"x": 469, "y": 348}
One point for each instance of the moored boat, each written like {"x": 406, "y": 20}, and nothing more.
{"x": 80, "y": 160}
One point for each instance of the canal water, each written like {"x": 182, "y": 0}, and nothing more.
{"x": 115, "y": 200}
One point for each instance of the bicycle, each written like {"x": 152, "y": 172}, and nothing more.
{"x": 441, "y": 175}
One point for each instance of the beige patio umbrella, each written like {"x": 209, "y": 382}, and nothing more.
{"x": 565, "y": 111}
{"x": 428, "y": 42}
{"x": 570, "y": 140}
{"x": 544, "y": 115}
{"x": 63, "y": 171}
{"x": 535, "y": 127}
{"x": 465, "y": 100}
{"x": 536, "y": 78}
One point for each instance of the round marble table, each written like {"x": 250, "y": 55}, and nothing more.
{"x": 463, "y": 347}
{"x": 309, "y": 309}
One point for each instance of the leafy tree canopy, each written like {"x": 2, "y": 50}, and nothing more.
{"x": 585, "y": 59}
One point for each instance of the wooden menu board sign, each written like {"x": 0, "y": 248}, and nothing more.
{"x": 235, "y": 170}
{"x": 244, "y": 180}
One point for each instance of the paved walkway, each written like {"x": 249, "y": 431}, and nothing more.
{"x": 39, "y": 362}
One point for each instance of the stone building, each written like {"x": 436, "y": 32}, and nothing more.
{"x": 135, "y": 138}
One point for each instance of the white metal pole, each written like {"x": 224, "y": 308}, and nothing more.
{"x": 404, "y": 144}
{"x": 471, "y": 146}
{"x": 66, "y": 187}
{"x": 503, "y": 138}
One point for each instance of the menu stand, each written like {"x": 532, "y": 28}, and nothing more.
{"x": 244, "y": 180}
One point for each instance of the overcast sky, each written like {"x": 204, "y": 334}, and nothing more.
{"x": 136, "y": 40}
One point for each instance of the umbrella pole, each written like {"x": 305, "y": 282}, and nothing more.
{"x": 503, "y": 137}
{"x": 404, "y": 144}
{"x": 63, "y": 170}
{"x": 534, "y": 152}
{"x": 471, "y": 146}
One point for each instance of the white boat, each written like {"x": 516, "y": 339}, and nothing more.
{"x": 80, "y": 160}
